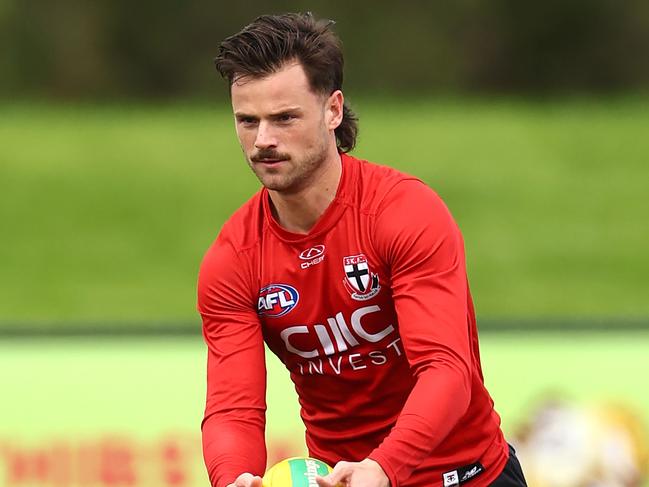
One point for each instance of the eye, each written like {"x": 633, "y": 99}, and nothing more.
{"x": 247, "y": 121}
{"x": 285, "y": 117}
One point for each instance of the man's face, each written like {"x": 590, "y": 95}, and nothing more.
{"x": 285, "y": 130}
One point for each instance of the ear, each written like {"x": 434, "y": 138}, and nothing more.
{"x": 334, "y": 110}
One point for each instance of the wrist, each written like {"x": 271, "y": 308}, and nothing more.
{"x": 376, "y": 466}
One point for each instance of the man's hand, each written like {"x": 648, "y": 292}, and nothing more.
{"x": 246, "y": 480}
{"x": 367, "y": 473}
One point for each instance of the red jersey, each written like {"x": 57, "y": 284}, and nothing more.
{"x": 371, "y": 314}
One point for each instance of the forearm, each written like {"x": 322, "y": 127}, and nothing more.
{"x": 235, "y": 411}
{"x": 231, "y": 447}
{"x": 437, "y": 402}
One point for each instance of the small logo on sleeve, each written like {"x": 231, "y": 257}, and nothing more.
{"x": 359, "y": 280}
{"x": 276, "y": 300}
{"x": 461, "y": 475}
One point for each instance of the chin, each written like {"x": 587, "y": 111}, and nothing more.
{"x": 282, "y": 186}
{"x": 275, "y": 184}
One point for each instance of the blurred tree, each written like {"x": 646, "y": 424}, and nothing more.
{"x": 557, "y": 45}
{"x": 103, "y": 48}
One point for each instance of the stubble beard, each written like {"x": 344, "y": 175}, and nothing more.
{"x": 299, "y": 173}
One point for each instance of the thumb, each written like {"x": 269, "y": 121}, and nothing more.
{"x": 333, "y": 479}
{"x": 326, "y": 481}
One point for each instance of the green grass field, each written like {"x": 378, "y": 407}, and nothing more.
{"x": 107, "y": 210}
{"x": 73, "y": 392}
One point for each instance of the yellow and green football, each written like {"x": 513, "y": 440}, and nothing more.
{"x": 295, "y": 472}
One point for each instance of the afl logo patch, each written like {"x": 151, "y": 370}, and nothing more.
{"x": 276, "y": 300}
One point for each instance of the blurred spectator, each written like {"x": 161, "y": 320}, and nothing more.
{"x": 569, "y": 445}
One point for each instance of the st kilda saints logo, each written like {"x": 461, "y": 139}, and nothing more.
{"x": 359, "y": 281}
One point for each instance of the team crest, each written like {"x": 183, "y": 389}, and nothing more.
{"x": 359, "y": 281}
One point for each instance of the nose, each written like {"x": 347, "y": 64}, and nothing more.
{"x": 265, "y": 137}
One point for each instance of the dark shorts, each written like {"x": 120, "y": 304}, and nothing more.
{"x": 512, "y": 474}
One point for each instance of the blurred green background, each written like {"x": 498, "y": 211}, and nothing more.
{"x": 119, "y": 164}
{"x": 110, "y": 208}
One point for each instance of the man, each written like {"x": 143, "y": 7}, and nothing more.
{"x": 354, "y": 275}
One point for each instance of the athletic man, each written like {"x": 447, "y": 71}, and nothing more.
{"x": 354, "y": 275}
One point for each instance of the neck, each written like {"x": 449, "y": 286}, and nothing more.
{"x": 298, "y": 212}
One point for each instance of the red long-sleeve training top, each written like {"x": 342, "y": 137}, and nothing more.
{"x": 372, "y": 316}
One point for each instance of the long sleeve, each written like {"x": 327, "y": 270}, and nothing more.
{"x": 234, "y": 421}
{"x": 422, "y": 246}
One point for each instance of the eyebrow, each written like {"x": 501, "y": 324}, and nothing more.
{"x": 271, "y": 115}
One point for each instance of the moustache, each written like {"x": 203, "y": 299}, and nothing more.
{"x": 269, "y": 154}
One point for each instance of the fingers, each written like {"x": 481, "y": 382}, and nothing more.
{"x": 325, "y": 481}
{"x": 243, "y": 480}
{"x": 246, "y": 480}
{"x": 339, "y": 475}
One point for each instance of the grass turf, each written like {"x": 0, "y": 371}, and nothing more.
{"x": 106, "y": 211}
{"x": 79, "y": 390}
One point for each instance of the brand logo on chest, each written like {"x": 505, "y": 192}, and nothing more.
{"x": 350, "y": 342}
{"x": 312, "y": 256}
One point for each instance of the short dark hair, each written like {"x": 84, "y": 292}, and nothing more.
{"x": 264, "y": 46}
